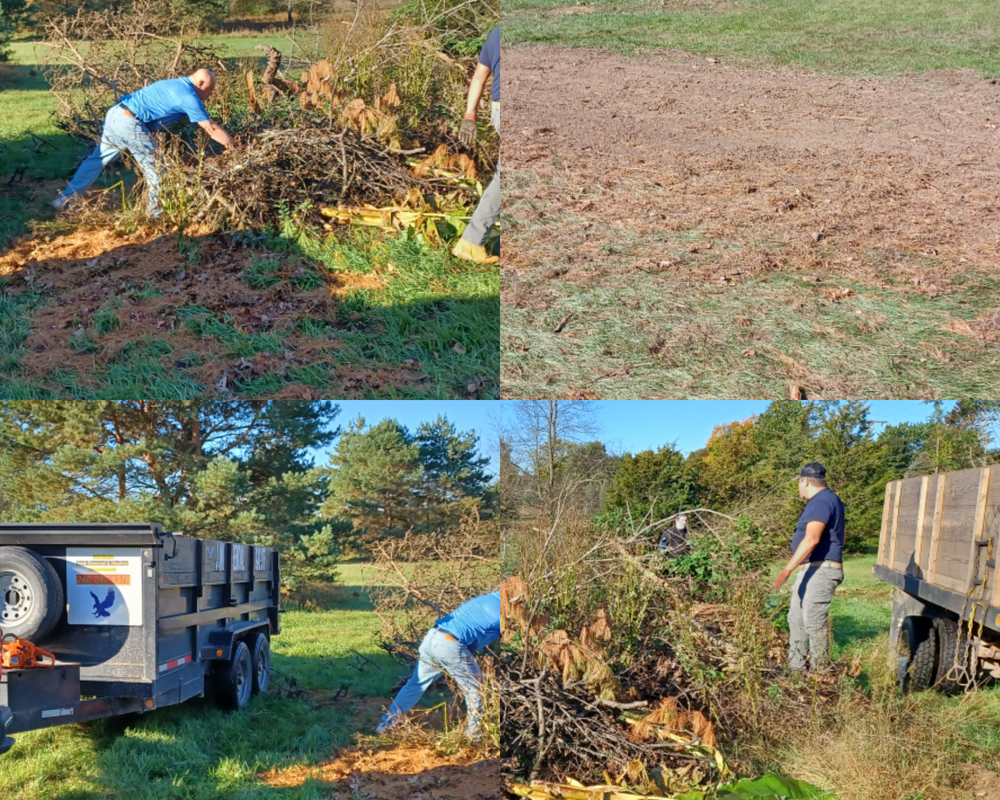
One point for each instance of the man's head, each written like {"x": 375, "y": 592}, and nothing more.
{"x": 681, "y": 522}
{"x": 812, "y": 480}
{"x": 204, "y": 83}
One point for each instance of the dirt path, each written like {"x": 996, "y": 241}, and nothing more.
{"x": 743, "y": 193}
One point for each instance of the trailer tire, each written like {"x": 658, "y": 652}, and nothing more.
{"x": 917, "y": 651}
{"x": 234, "y": 679}
{"x": 32, "y": 594}
{"x": 261, "y": 663}
{"x": 947, "y": 645}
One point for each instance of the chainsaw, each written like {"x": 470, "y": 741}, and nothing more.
{"x": 21, "y": 654}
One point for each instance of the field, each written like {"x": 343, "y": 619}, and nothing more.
{"x": 297, "y": 743}
{"x": 750, "y": 199}
{"x": 98, "y": 311}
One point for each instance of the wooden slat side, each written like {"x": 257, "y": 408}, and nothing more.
{"x": 992, "y": 531}
{"x": 921, "y": 517}
{"x": 942, "y": 485}
{"x": 925, "y": 550}
{"x": 883, "y": 538}
{"x": 978, "y": 526}
{"x": 895, "y": 526}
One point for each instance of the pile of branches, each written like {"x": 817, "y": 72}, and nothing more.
{"x": 290, "y": 166}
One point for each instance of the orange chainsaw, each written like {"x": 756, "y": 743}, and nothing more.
{"x": 21, "y": 654}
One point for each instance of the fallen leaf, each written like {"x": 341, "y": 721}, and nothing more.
{"x": 459, "y": 349}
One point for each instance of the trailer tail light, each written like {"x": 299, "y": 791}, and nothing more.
{"x": 218, "y": 653}
{"x": 149, "y": 704}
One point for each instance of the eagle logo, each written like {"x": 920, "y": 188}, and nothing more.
{"x": 101, "y": 606}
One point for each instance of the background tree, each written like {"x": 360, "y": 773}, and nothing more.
{"x": 234, "y": 471}
{"x": 657, "y": 482}
{"x": 454, "y": 474}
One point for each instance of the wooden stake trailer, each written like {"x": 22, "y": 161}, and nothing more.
{"x": 137, "y": 618}
{"x": 939, "y": 545}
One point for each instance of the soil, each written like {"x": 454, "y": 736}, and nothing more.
{"x": 406, "y": 770}
{"x": 893, "y": 185}
{"x": 907, "y": 164}
{"x": 80, "y": 271}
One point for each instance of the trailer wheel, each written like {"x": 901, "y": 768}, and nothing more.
{"x": 917, "y": 652}
{"x": 947, "y": 646}
{"x": 32, "y": 594}
{"x": 261, "y": 663}
{"x": 234, "y": 679}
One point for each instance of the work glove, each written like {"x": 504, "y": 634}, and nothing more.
{"x": 467, "y": 133}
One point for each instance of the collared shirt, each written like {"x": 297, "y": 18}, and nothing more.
{"x": 490, "y": 57}
{"x": 475, "y": 623}
{"x": 163, "y": 102}
{"x": 827, "y": 508}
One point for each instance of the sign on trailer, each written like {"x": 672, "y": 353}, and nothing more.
{"x": 104, "y": 587}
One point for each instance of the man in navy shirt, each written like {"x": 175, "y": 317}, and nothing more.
{"x": 472, "y": 244}
{"x": 818, "y": 545}
{"x": 450, "y": 647}
{"x": 129, "y": 126}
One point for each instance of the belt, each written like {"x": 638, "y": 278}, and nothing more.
{"x": 828, "y": 564}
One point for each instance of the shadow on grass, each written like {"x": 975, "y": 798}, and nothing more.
{"x": 89, "y": 313}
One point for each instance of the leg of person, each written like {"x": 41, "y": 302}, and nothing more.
{"x": 472, "y": 244}
{"x": 135, "y": 138}
{"x": 798, "y": 640}
{"x": 425, "y": 673}
{"x": 816, "y": 598}
{"x": 105, "y": 153}
{"x": 469, "y": 678}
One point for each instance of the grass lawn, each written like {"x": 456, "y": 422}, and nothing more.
{"x": 196, "y": 751}
{"x": 841, "y": 36}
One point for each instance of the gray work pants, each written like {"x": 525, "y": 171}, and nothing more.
{"x": 809, "y": 616}
{"x": 488, "y": 210}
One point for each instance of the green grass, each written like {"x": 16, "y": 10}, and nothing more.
{"x": 197, "y": 752}
{"x": 841, "y": 36}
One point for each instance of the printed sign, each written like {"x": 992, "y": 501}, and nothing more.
{"x": 104, "y": 586}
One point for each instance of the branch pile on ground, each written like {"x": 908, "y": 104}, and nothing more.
{"x": 306, "y": 164}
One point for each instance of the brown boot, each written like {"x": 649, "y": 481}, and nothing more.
{"x": 473, "y": 252}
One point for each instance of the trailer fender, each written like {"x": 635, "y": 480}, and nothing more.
{"x": 222, "y": 642}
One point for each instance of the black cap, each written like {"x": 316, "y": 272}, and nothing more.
{"x": 813, "y": 470}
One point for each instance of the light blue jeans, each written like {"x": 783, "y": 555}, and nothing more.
{"x": 488, "y": 211}
{"x": 438, "y": 654}
{"x": 120, "y": 133}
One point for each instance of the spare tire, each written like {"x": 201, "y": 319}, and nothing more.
{"x": 31, "y": 592}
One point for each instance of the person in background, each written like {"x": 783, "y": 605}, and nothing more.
{"x": 472, "y": 245}
{"x": 674, "y": 541}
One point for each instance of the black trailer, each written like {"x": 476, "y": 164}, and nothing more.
{"x": 136, "y": 617}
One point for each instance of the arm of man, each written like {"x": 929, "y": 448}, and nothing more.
{"x": 476, "y": 89}
{"x": 814, "y": 530}
{"x": 217, "y": 132}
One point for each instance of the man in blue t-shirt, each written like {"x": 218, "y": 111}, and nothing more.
{"x": 472, "y": 244}
{"x": 449, "y": 647}
{"x": 818, "y": 545}
{"x": 129, "y": 126}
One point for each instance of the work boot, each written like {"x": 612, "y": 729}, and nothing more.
{"x": 473, "y": 252}
{"x": 6, "y": 744}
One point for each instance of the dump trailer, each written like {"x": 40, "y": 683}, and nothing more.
{"x": 938, "y": 547}
{"x": 136, "y": 617}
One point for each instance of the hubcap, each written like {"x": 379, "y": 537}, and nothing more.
{"x": 17, "y": 597}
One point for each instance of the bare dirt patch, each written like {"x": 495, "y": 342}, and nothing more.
{"x": 821, "y": 204}
{"x": 413, "y": 771}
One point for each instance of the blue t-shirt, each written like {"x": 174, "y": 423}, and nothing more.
{"x": 825, "y": 507}
{"x": 490, "y": 57}
{"x": 163, "y": 102}
{"x": 475, "y": 623}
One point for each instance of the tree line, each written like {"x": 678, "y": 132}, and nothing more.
{"x": 238, "y": 471}
{"x": 550, "y": 465}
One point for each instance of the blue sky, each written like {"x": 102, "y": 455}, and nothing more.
{"x": 623, "y": 425}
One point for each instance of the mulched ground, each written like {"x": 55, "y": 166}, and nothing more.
{"x": 890, "y": 183}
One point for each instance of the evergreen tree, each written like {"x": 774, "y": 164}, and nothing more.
{"x": 652, "y": 482}
{"x": 454, "y": 476}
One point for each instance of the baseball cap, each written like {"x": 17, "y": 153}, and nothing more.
{"x": 813, "y": 470}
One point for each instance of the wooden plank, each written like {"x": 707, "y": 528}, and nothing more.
{"x": 942, "y": 484}
{"x": 895, "y": 526}
{"x": 977, "y": 528}
{"x": 883, "y": 538}
{"x": 921, "y": 516}
{"x": 992, "y": 531}
{"x": 925, "y": 550}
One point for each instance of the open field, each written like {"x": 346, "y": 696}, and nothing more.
{"x": 722, "y": 223}
{"x": 143, "y": 311}
{"x": 295, "y": 743}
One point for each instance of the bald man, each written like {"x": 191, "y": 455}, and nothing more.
{"x": 130, "y": 125}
